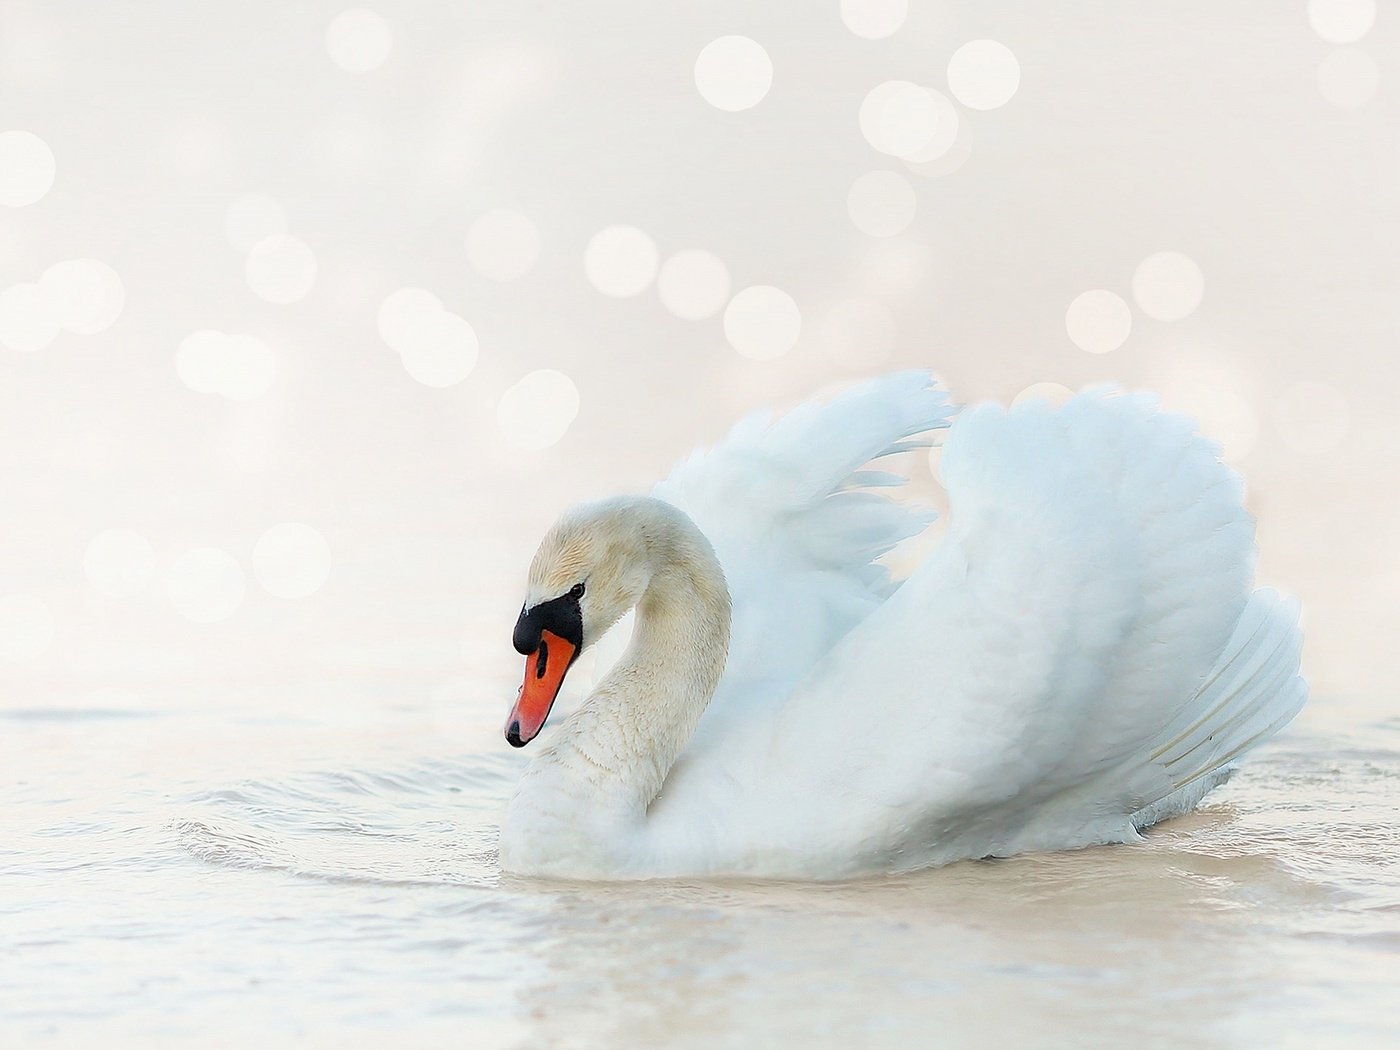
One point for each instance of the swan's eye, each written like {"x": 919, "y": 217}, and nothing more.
{"x": 576, "y": 591}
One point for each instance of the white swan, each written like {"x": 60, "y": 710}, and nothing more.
{"x": 1080, "y": 656}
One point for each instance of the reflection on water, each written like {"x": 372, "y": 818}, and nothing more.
{"x": 349, "y": 904}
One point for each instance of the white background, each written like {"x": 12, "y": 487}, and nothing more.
{"x": 1255, "y": 139}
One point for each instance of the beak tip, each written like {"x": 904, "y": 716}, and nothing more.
{"x": 513, "y": 734}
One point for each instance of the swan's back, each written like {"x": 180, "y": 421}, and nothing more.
{"x": 1080, "y": 655}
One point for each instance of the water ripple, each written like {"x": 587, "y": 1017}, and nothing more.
{"x": 431, "y": 823}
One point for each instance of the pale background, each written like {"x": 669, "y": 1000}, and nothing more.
{"x": 1134, "y": 129}
{"x": 265, "y": 520}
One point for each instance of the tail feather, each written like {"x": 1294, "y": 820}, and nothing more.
{"x": 1252, "y": 693}
{"x": 1254, "y": 666}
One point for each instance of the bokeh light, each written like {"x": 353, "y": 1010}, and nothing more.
{"x": 1342, "y": 21}
{"x": 292, "y": 560}
{"x": 620, "y": 261}
{"x": 27, "y": 168}
{"x": 537, "y": 411}
{"x": 253, "y": 217}
{"x": 281, "y": 269}
{"x": 1049, "y": 392}
{"x": 947, "y": 129}
{"x": 238, "y": 367}
{"x": 502, "y": 244}
{"x": 983, "y": 74}
{"x": 358, "y": 40}
{"x": 943, "y": 157}
{"x": 903, "y": 119}
{"x": 733, "y": 73}
{"x": 205, "y": 585}
{"x": 859, "y": 333}
{"x": 762, "y": 322}
{"x": 874, "y": 19}
{"x": 86, "y": 296}
{"x": 28, "y": 320}
{"x": 440, "y": 349}
{"x": 882, "y": 203}
{"x": 1098, "y": 321}
{"x": 1312, "y": 418}
{"x": 119, "y": 562}
{"x": 693, "y": 284}
{"x": 1168, "y": 286}
{"x": 1348, "y": 78}
{"x": 27, "y": 627}
{"x": 1205, "y": 384}
{"x": 400, "y": 313}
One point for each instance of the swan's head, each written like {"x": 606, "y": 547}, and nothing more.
{"x": 590, "y": 569}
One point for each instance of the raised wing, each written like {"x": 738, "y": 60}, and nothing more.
{"x": 1029, "y": 684}
{"x": 792, "y": 517}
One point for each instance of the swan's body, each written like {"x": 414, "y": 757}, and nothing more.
{"x": 1080, "y": 656}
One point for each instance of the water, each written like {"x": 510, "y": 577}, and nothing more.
{"x": 256, "y": 865}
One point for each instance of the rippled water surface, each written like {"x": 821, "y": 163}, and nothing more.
{"x": 257, "y": 866}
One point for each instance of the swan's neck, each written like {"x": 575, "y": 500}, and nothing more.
{"x": 633, "y": 727}
{"x": 613, "y": 754}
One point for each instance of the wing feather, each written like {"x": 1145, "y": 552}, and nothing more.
{"x": 1011, "y": 694}
{"x": 798, "y": 547}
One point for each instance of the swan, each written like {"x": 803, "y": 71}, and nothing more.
{"x": 1082, "y": 653}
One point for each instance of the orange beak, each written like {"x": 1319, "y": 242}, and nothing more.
{"x": 544, "y": 674}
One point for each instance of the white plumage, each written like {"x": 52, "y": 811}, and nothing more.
{"x": 1079, "y": 656}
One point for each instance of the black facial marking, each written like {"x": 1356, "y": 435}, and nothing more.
{"x": 542, "y": 659}
{"x": 561, "y": 616}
